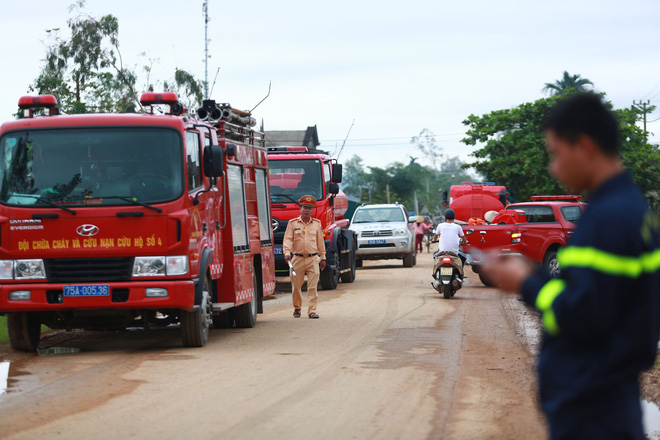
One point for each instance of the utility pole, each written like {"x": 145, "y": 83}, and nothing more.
{"x": 387, "y": 188}
{"x": 205, "y": 8}
{"x": 416, "y": 204}
{"x": 642, "y": 106}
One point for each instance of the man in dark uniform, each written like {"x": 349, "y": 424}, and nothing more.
{"x": 602, "y": 316}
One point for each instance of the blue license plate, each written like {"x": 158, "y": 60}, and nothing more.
{"x": 381, "y": 241}
{"x": 87, "y": 290}
{"x": 277, "y": 251}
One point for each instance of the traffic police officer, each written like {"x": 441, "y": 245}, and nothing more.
{"x": 303, "y": 246}
{"x": 602, "y": 316}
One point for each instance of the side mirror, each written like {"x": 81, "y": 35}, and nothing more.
{"x": 213, "y": 161}
{"x": 412, "y": 219}
{"x": 333, "y": 188}
{"x": 337, "y": 173}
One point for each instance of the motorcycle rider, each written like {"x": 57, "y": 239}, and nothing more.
{"x": 451, "y": 236}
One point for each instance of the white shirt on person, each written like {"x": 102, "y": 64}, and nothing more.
{"x": 450, "y": 237}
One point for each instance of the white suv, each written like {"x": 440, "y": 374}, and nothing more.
{"x": 383, "y": 232}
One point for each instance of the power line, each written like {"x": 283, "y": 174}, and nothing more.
{"x": 652, "y": 90}
{"x": 393, "y": 138}
{"x": 655, "y": 96}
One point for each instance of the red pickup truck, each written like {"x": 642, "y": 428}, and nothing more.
{"x": 535, "y": 229}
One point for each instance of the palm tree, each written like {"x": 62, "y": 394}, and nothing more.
{"x": 568, "y": 82}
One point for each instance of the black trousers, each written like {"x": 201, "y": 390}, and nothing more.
{"x": 611, "y": 415}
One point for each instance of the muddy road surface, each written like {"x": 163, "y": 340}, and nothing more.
{"x": 388, "y": 359}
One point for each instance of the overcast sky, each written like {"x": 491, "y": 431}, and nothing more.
{"x": 395, "y": 67}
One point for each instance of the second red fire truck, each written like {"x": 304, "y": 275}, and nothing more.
{"x": 114, "y": 221}
{"x": 294, "y": 172}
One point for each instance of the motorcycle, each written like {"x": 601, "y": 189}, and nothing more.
{"x": 447, "y": 273}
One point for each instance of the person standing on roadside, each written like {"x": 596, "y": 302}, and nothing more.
{"x": 602, "y": 315}
{"x": 420, "y": 226}
{"x": 304, "y": 247}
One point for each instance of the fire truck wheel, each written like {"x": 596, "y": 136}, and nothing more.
{"x": 195, "y": 324}
{"x": 329, "y": 278}
{"x": 409, "y": 260}
{"x": 24, "y": 330}
{"x": 224, "y": 320}
{"x": 245, "y": 315}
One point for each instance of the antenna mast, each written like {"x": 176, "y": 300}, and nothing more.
{"x": 205, "y": 8}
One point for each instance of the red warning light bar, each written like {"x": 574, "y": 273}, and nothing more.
{"x": 40, "y": 101}
{"x": 287, "y": 149}
{"x": 566, "y": 198}
{"x": 151, "y": 98}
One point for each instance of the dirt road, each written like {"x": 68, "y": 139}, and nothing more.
{"x": 389, "y": 359}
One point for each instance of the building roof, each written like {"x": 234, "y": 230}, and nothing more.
{"x": 306, "y": 138}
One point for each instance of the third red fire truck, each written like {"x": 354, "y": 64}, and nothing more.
{"x": 474, "y": 200}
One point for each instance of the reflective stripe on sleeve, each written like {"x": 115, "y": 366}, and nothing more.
{"x": 544, "y": 301}
{"x": 611, "y": 264}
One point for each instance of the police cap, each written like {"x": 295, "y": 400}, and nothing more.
{"x": 307, "y": 200}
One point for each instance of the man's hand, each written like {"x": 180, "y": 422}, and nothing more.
{"x": 322, "y": 265}
{"x": 508, "y": 273}
{"x": 287, "y": 258}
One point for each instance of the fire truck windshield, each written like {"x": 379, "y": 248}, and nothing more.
{"x": 81, "y": 166}
{"x": 291, "y": 179}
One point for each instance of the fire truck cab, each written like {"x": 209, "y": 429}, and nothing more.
{"x": 109, "y": 221}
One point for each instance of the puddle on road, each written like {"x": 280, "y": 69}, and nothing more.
{"x": 651, "y": 420}
{"x": 4, "y": 375}
{"x": 57, "y": 350}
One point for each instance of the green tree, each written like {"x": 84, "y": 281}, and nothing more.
{"x": 354, "y": 177}
{"x": 568, "y": 83}
{"x": 86, "y": 71}
{"x": 189, "y": 90}
{"x": 513, "y": 152}
{"x": 403, "y": 180}
{"x": 427, "y": 144}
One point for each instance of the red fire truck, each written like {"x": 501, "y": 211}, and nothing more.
{"x": 474, "y": 200}
{"x": 111, "y": 221}
{"x": 294, "y": 172}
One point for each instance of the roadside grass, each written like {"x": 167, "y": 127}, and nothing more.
{"x": 4, "y": 337}
{"x": 651, "y": 383}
